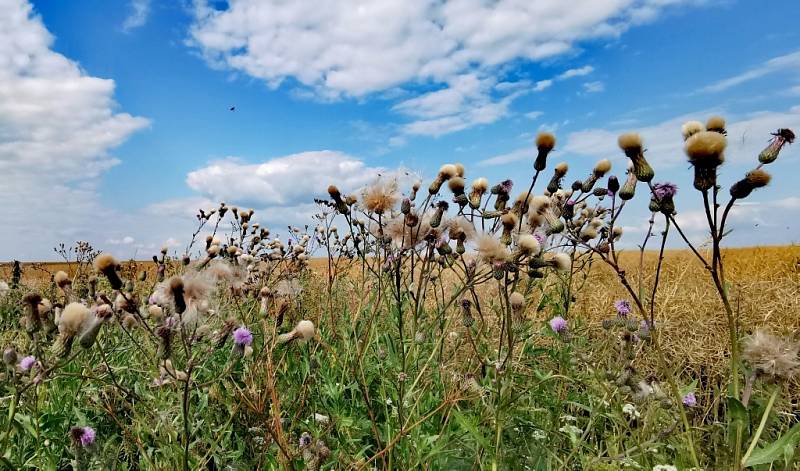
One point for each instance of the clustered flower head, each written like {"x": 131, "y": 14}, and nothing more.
{"x": 689, "y": 400}
{"x": 623, "y": 307}
{"x": 242, "y": 336}
{"x": 661, "y": 198}
{"x": 558, "y": 324}
{"x": 27, "y": 363}
{"x": 83, "y": 436}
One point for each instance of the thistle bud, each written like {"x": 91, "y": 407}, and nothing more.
{"x": 631, "y": 144}
{"x": 628, "y": 190}
{"x": 754, "y": 179}
{"x": 780, "y": 138}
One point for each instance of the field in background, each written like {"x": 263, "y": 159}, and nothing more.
{"x": 765, "y": 288}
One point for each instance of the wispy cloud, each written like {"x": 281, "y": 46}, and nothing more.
{"x": 140, "y": 11}
{"x": 789, "y": 61}
{"x": 594, "y": 87}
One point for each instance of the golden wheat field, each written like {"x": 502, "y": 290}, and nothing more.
{"x": 764, "y": 283}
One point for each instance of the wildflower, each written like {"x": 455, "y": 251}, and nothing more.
{"x": 705, "y": 150}
{"x": 509, "y": 222}
{"x": 517, "y": 301}
{"x": 98, "y": 315}
{"x": 690, "y": 128}
{"x": 381, "y": 196}
{"x": 73, "y": 318}
{"x": 623, "y": 307}
{"x": 628, "y": 189}
{"x": 545, "y": 142}
{"x": 83, "y": 436}
{"x": 665, "y": 190}
{"x": 772, "y": 356}
{"x": 491, "y": 250}
{"x": 527, "y": 244}
{"x": 757, "y": 178}
{"x": 63, "y": 281}
{"x": 502, "y": 190}
{"x": 613, "y": 185}
{"x": 600, "y": 169}
{"x": 780, "y": 138}
{"x": 107, "y": 265}
{"x": 561, "y": 262}
{"x": 558, "y": 173}
{"x": 631, "y": 411}
{"x": 303, "y": 331}
{"x": 27, "y": 363}
{"x": 479, "y": 187}
{"x": 716, "y": 124}
{"x": 558, "y": 324}
{"x": 446, "y": 172}
{"x": 242, "y": 336}
{"x": 631, "y": 144}
{"x": 661, "y": 199}
{"x": 689, "y": 400}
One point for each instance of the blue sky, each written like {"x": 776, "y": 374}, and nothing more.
{"x": 115, "y": 124}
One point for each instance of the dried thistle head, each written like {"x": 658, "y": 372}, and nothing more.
{"x": 690, "y": 128}
{"x": 545, "y": 142}
{"x": 381, "y": 197}
{"x": 716, "y": 124}
{"x": 106, "y": 264}
{"x": 491, "y": 250}
{"x": 757, "y": 178}
{"x": 773, "y": 357}
{"x": 61, "y": 279}
{"x": 706, "y": 149}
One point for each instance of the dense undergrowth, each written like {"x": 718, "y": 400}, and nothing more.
{"x": 443, "y": 332}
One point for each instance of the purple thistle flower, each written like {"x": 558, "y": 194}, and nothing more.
{"x": 541, "y": 238}
{"x": 558, "y": 324}
{"x": 88, "y": 436}
{"x": 27, "y": 363}
{"x": 242, "y": 336}
{"x": 689, "y": 400}
{"x": 664, "y": 190}
{"x": 623, "y": 307}
{"x": 506, "y": 186}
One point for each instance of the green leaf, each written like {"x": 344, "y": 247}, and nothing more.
{"x": 472, "y": 428}
{"x": 737, "y": 412}
{"x": 777, "y": 449}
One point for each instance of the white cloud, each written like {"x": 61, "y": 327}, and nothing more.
{"x": 354, "y": 48}
{"x": 542, "y": 85}
{"x": 579, "y": 72}
{"x": 534, "y": 114}
{"x": 344, "y": 48}
{"x": 140, "y": 11}
{"x": 594, "y": 87}
{"x": 747, "y": 135}
{"x": 785, "y": 62}
{"x": 57, "y": 126}
{"x": 282, "y": 181}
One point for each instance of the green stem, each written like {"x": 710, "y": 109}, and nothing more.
{"x": 761, "y": 426}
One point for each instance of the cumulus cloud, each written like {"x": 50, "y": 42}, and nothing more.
{"x": 57, "y": 127}
{"x": 281, "y": 181}
{"x": 785, "y": 62}
{"x": 342, "y": 48}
